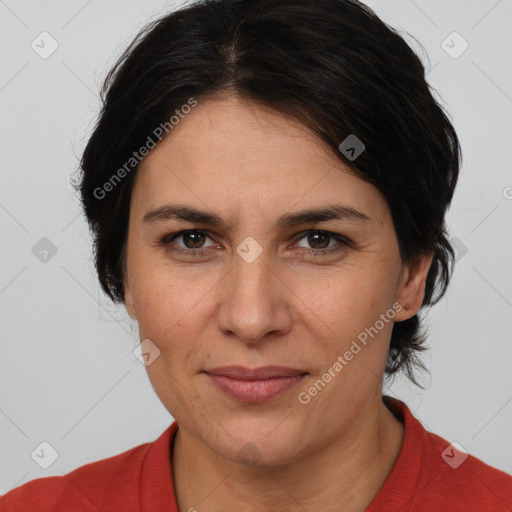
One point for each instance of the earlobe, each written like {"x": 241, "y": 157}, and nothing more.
{"x": 411, "y": 289}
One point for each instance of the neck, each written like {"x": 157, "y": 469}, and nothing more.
{"x": 345, "y": 475}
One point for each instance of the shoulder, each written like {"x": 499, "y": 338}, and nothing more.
{"x": 91, "y": 487}
{"x": 461, "y": 479}
{"x": 433, "y": 474}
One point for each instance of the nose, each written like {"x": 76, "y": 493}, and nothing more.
{"x": 255, "y": 303}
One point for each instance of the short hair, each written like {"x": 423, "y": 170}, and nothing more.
{"x": 332, "y": 65}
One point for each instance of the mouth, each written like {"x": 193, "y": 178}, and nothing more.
{"x": 255, "y": 385}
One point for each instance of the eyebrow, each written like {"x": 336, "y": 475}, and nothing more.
{"x": 189, "y": 214}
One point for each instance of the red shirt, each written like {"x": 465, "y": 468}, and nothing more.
{"x": 140, "y": 480}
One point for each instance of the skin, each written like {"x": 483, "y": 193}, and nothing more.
{"x": 290, "y": 307}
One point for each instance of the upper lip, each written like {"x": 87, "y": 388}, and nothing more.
{"x": 264, "y": 372}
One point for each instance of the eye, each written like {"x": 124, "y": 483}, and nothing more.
{"x": 193, "y": 239}
{"x": 192, "y": 242}
{"x": 320, "y": 242}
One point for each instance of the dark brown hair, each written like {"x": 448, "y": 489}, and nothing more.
{"x": 331, "y": 64}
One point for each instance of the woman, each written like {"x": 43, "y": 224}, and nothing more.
{"x": 267, "y": 187}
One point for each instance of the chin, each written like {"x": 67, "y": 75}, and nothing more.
{"x": 261, "y": 442}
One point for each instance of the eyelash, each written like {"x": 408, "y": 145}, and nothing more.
{"x": 168, "y": 239}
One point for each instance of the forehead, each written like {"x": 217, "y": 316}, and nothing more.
{"x": 242, "y": 134}
{"x": 227, "y": 152}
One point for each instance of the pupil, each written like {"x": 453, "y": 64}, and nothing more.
{"x": 194, "y": 244}
{"x": 314, "y": 239}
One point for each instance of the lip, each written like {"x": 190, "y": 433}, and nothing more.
{"x": 256, "y": 384}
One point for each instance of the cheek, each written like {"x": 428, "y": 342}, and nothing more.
{"x": 343, "y": 304}
{"x": 170, "y": 300}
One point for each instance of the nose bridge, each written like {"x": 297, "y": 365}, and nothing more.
{"x": 250, "y": 286}
{"x": 251, "y": 266}
{"x": 252, "y": 305}
{"x": 250, "y": 279}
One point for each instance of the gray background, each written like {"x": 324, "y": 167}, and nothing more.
{"x": 68, "y": 375}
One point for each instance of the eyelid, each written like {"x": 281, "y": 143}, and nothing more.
{"x": 336, "y": 236}
{"x": 341, "y": 239}
{"x": 168, "y": 239}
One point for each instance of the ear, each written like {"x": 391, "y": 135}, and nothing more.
{"x": 128, "y": 299}
{"x": 411, "y": 287}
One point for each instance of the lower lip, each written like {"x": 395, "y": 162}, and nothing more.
{"x": 255, "y": 390}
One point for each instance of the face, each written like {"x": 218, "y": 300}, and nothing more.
{"x": 251, "y": 284}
